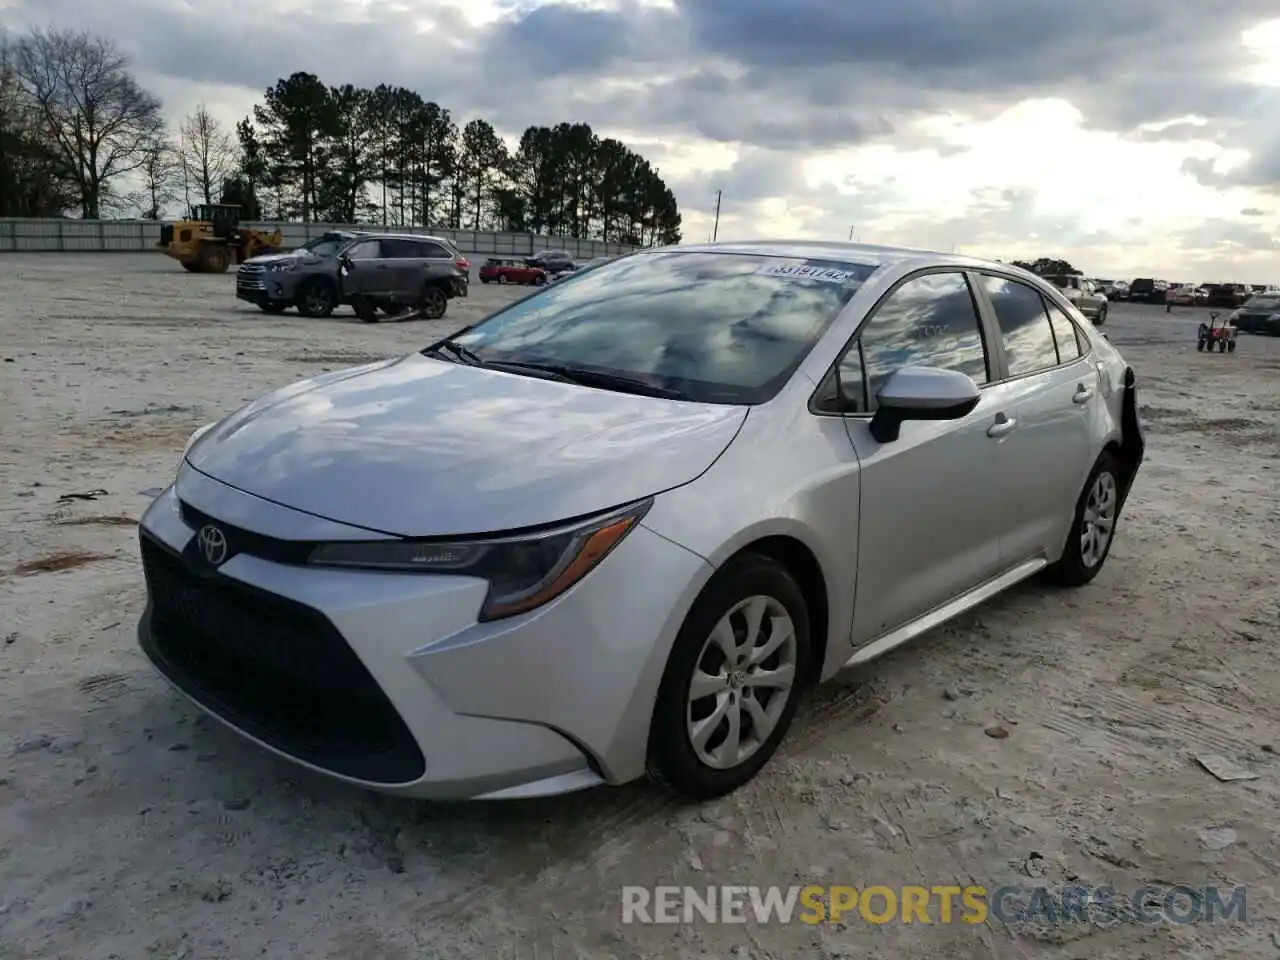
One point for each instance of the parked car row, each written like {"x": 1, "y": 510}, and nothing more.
{"x": 1150, "y": 290}
{"x": 541, "y": 268}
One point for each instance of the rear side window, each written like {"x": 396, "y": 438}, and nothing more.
{"x": 1024, "y": 325}
{"x": 1065, "y": 334}
{"x": 432, "y": 251}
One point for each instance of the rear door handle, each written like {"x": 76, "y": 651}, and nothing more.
{"x": 1002, "y": 427}
{"x": 1083, "y": 394}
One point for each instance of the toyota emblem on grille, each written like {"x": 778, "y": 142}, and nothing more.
{"x": 213, "y": 544}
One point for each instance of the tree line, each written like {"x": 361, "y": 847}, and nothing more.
{"x": 78, "y": 133}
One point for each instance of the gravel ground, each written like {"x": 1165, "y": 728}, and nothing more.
{"x": 130, "y": 827}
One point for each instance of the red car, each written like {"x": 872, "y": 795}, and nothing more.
{"x": 511, "y": 271}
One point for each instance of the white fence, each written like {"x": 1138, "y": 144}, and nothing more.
{"x": 132, "y": 236}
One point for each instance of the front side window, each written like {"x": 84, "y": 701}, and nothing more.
{"x": 930, "y": 321}
{"x": 324, "y": 247}
{"x": 713, "y": 327}
{"x": 1024, "y": 325}
{"x": 364, "y": 250}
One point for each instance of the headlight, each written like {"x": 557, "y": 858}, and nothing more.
{"x": 191, "y": 441}
{"x": 523, "y": 572}
{"x": 285, "y": 266}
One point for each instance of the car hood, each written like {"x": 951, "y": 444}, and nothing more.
{"x": 268, "y": 258}
{"x": 423, "y": 447}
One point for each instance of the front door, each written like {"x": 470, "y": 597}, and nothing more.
{"x": 368, "y": 273}
{"x": 929, "y": 517}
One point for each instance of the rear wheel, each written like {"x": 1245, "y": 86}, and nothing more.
{"x": 1102, "y": 316}
{"x": 502, "y": 278}
{"x": 434, "y": 303}
{"x": 733, "y": 680}
{"x": 1231, "y": 346}
{"x": 1093, "y": 528}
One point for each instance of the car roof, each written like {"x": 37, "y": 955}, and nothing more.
{"x": 866, "y": 253}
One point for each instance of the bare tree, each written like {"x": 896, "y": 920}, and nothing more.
{"x": 160, "y": 169}
{"x": 97, "y": 117}
{"x": 208, "y": 152}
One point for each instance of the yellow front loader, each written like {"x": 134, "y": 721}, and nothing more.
{"x": 213, "y": 240}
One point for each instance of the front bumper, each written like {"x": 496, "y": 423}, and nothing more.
{"x": 263, "y": 288}
{"x": 386, "y": 680}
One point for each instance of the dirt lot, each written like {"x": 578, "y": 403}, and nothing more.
{"x": 130, "y": 827}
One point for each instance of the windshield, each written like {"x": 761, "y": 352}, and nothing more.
{"x": 712, "y": 327}
{"x": 1263, "y": 303}
{"x": 323, "y": 247}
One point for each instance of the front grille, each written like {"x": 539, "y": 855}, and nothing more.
{"x": 240, "y": 540}
{"x": 275, "y": 668}
{"x": 250, "y": 277}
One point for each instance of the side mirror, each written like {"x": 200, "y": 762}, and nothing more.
{"x": 921, "y": 393}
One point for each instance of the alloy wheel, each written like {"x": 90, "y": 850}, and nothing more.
{"x": 743, "y": 679}
{"x": 1099, "y": 519}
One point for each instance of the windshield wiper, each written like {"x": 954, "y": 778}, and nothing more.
{"x": 594, "y": 378}
{"x": 458, "y": 351}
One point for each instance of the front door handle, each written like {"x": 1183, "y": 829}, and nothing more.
{"x": 1002, "y": 427}
{"x": 1083, "y": 394}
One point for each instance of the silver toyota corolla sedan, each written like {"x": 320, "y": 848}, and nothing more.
{"x": 620, "y": 524}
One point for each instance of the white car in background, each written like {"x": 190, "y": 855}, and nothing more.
{"x": 1084, "y": 294}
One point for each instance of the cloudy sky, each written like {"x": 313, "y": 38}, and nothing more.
{"x": 1133, "y": 137}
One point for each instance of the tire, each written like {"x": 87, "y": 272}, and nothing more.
{"x": 749, "y": 581}
{"x": 434, "y": 303}
{"x": 1102, "y": 317}
{"x": 484, "y": 281}
{"x": 1231, "y": 346}
{"x": 365, "y": 310}
{"x": 540, "y": 280}
{"x": 1222, "y": 346}
{"x": 316, "y": 299}
{"x": 190, "y": 268}
{"x": 502, "y": 278}
{"x": 275, "y": 308}
{"x": 1078, "y": 564}
{"x": 213, "y": 259}
{"x": 1200, "y": 345}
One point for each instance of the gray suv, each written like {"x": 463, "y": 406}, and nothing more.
{"x": 370, "y": 272}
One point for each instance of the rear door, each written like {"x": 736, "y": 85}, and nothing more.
{"x": 1054, "y": 388}
{"x": 404, "y": 261}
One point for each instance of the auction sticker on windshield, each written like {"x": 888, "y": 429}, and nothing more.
{"x": 807, "y": 270}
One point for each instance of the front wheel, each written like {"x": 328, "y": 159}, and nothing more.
{"x": 1093, "y": 527}
{"x": 1102, "y": 317}
{"x": 317, "y": 299}
{"x": 733, "y": 680}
